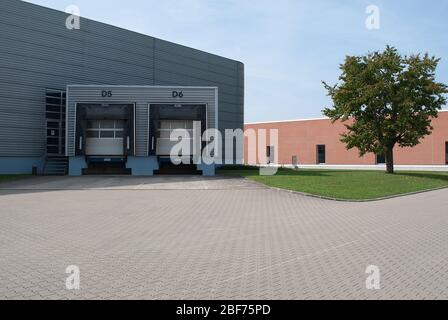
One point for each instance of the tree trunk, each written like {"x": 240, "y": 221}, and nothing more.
{"x": 390, "y": 160}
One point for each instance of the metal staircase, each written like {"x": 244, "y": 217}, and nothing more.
{"x": 56, "y": 163}
{"x": 56, "y": 166}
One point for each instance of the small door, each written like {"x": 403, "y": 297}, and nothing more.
{"x": 105, "y": 138}
{"x": 446, "y": 152}
{"x": 321, "y": 155}
{"x": 270, "y": 154}
{"x": 380, "y": 159}
{"x": 295, "y": 160}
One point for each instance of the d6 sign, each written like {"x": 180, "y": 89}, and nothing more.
{"x": 178, "y": 94}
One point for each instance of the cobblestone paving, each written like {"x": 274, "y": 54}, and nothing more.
{"x": 197, "y": 238}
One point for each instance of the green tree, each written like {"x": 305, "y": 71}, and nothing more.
{"x": 386, "y": 100}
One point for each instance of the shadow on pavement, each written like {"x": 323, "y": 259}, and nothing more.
{"x": 107, "y": 183}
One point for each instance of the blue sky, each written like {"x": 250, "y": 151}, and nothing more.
{"x": 288, "y": 46}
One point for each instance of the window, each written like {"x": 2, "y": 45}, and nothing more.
{"x": 107, "y": 134}
{"x": 295, "y": 160}
{"x": 320, "y": 154}
{"x": 380, "y": 159}
{"x": 168, "y": 126}
{"x": 119, "y": 124}
{"x": 107, "y": 124}
{"x": 178, "y": 125}
{"x": 93, "y": 133}
{"x": 93, "y": 124}
{"x": 105, "y": 129}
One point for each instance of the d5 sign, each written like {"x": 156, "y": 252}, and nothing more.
{"x": 106, "y": 94}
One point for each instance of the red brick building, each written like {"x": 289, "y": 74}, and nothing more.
{"x": 317, "y": 141}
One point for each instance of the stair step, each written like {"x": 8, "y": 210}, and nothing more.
{"x": 56, "y": 166}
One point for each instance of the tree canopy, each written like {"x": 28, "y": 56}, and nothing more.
{"x": 390, "y": 100}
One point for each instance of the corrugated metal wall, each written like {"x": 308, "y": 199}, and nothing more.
{"x": 38, "y": 52}
{"x": 141, "y": 97}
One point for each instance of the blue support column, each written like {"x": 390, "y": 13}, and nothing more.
{"x": 142, "y": 166}
{"x": 76, "y": 164}
{"x": 208, "y": 170}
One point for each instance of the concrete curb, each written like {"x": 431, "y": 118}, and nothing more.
{"x": 348, "y": 200}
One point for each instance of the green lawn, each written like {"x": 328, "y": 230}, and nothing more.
{"x": 345, "y": 184}
{"x": 11, "y": 177}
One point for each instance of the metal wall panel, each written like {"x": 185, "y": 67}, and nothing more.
{"x": 195, "y": 54}
{"x": 71, "y": 47}
{"x": 176, "y": 58}
{"x": 45, "y": 55}
{"x": 38, "y": 52}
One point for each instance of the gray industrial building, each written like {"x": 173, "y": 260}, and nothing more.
{"x": 101, "y": 99}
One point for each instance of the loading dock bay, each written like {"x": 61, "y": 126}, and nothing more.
{"x": 126, "y": 129}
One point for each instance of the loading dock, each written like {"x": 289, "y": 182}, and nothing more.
{"x": 105, "y": 135}
{"x": 132, "y": 126}
{"x": 165, "y": 120}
